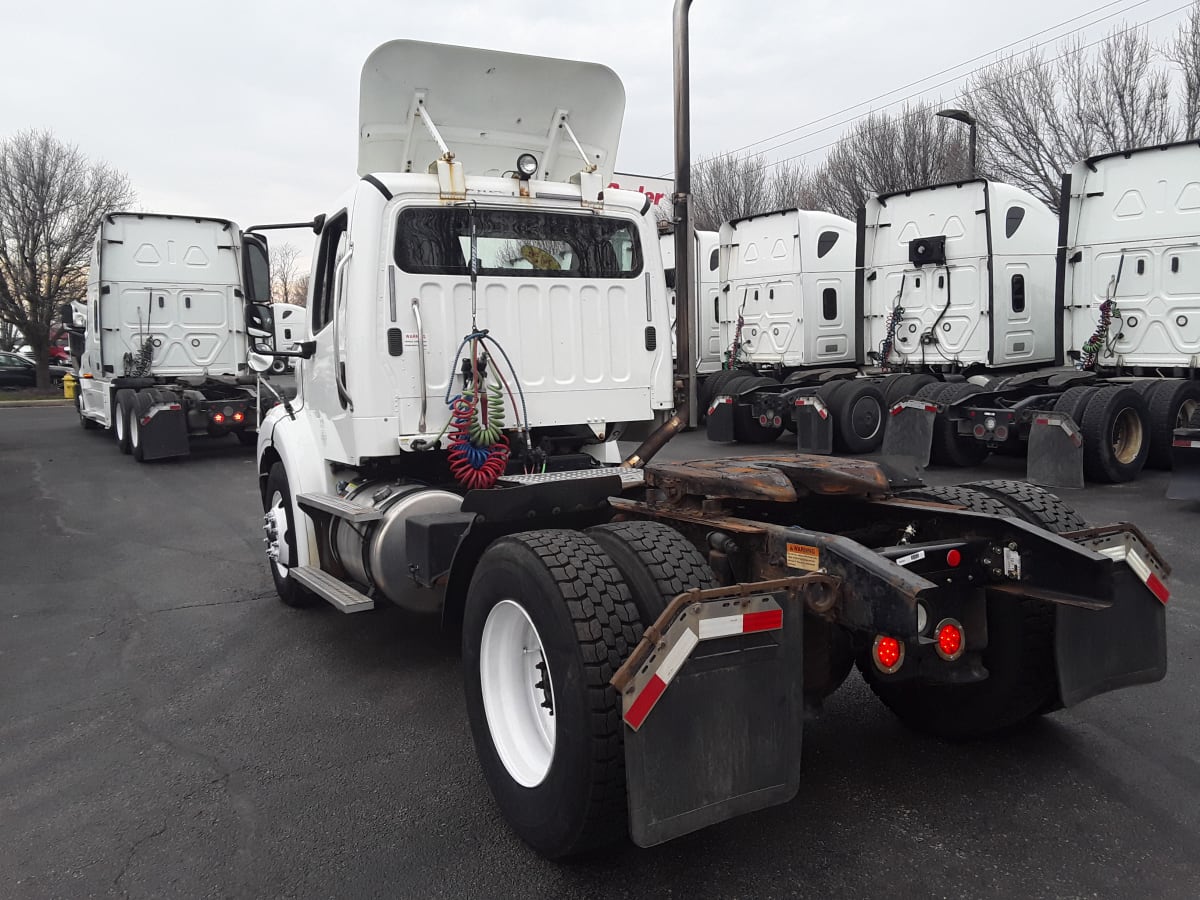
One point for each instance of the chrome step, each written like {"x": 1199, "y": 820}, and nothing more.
{"x": 629, "y": 477}
{"x": 340, "y": 594}
{"x": 336, "y": 506}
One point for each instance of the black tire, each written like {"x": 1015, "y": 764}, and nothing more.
{"x": 949, "y": 449}
{"x": 1022, "y": 681}
{"x": 1073, "y": 402}
{"x": 587, "y": 625}
{"x": 1172, "y": 403}
{"x": 122, "y": 404}
{"x": 897, "y": 387}
{"x": 247, "y": 438}
{"x": 291, "y": 593}
{"x": 746, "y": 427}
{"x": 714, "y": 385}
{"x": 1116, "y": 435}
{"x": 858, "y": 417}
{"x": 140, "y": 406}
{"x": 1145, "y": 386}
{"x": 1031, "y": 503}
{"x": 84, "y": 422}
{"x": 656, "y": 561}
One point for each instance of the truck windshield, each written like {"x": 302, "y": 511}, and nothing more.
{"x": 517, "y": 242}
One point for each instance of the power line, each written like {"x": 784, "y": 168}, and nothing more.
{"x": 944, "y": 71}
{"x": 955, "y": 78}
{"x": 958, "y": 96}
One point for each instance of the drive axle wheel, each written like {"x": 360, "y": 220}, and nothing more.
{"x": 746, "y": 426}
{"x": 1172, "y": 402}
{"x": 1022, "y": 679}
{"x": 1116, "y": 440}
{"x": 548, "y": 621}
{"x": 858, "y": 417}
{"x": 122, "y": 403}
{"x": 280, "y": 538}
{"x": 656, "y": 561}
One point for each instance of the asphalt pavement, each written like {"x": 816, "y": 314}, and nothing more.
{"x": 169, "y": 729}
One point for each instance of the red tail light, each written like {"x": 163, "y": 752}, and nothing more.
{"x": 950, "y": 639}
{"x": 218, "y": 418}
{"x": 953, "y": 558}
{"x": 238, "y": 417}
{"x": 888, "y": 654}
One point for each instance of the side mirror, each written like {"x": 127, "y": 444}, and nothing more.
{"x": 75, "y": 343}
{"x": 256, "y": 265}
{"x": 66, "y": 314}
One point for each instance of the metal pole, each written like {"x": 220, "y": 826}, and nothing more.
{"x": 971, "y": 153}
{"x": 685, "y": 263}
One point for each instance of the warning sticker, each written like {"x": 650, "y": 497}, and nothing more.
{"x": 802, "y": 556}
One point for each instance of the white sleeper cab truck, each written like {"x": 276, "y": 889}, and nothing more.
{"x": 163, "y": 353}
{"x": 789, "y": 334}
{"x": 706, "y": 298}
{"x": 1130, "y": 282}
{"x": 486, "y": 316}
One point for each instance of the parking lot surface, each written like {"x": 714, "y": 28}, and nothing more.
{"x": 169, "y": 729}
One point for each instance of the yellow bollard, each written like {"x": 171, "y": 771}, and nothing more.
{"x": 70, "y": 385}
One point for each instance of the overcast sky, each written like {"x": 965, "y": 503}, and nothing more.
{"x": 249, "y": 110}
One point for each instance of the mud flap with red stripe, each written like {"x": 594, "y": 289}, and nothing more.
{"x": 910, "y": 431}
{"x": 718, "y": 425}
{"x": 713, "y": 714}
{"x": 163, "y": 428}
{"x": 1121, "y": 642}
{"x": 1055, "y": 454}
{"x": 814, "y": 425}
{"x": 1185, "y": 465}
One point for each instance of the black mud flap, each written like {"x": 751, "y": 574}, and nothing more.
{"x": 1125, "y": 642}
{"x": 164, "y": 434}
{"x": 814, "y": 425}
{"x": 910, "y": 431}
{"x": 714, "y": 715}
{"x": 1055, "y": 452}
{"x": 1185, "y": 465}
{"x": 719, "y": 424}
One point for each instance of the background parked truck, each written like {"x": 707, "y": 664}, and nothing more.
{"x": 163, "y": 353}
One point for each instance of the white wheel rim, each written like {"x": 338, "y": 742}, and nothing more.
{"x": 276, "y": 526}
{"x": 516, "y": 684}
{"x": 119, "y": 423}
{"x": 134, "y": 426}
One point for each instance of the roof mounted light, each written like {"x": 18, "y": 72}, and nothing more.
{"x": 527, "y": 166}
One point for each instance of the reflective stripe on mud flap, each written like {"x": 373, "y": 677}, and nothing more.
{"x": 816, "y": 403}
{"x": 695, "y": 623}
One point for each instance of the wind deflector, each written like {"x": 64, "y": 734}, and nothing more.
{"x": 489, "y": 107}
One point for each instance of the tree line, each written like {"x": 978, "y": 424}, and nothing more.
{"x": 1037, "y": 114}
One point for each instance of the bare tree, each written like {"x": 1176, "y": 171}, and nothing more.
{"x": 1184, "y": 52}
{"x": 285, "y": 274}
{"x": 883, "y": 153}
{"x": 728, "y": 187}
{"x": 1039, "y": 116}
{"x": 792, "y": 187}
{"x": 300, "y": 291}
{"x": 52, "y": 198}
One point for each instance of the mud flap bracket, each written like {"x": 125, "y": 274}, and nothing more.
{"x": 713, "y": 706}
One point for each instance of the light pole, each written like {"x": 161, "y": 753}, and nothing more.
{"x": 961, "y": 115}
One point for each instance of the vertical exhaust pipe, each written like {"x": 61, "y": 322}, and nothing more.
{"x": 685, "y": 263}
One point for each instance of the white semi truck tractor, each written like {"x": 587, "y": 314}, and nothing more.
{"x": 162, "y": 350}
{"x": 640, "y": 639}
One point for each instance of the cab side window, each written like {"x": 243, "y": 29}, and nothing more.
{"x": 331, "y": 250}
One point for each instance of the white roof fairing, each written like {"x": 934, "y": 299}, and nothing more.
{"x": 489, "y": 107}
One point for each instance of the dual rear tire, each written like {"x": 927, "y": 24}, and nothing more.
{"x": 550, "y": 616}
